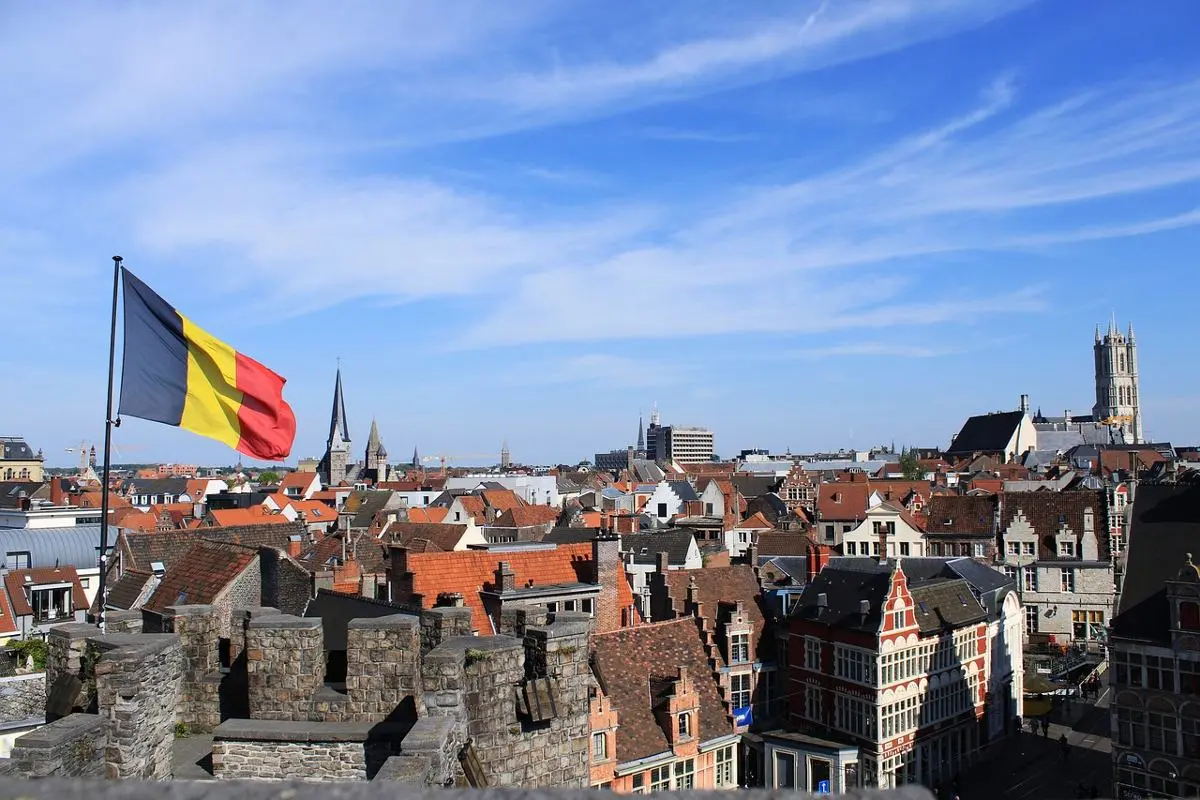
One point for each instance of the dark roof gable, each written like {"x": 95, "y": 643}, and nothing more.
{"x": 986, "y": 433}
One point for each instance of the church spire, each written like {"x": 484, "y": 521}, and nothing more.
{"x": 641, "y": 440}
{"x": 416, "y": 462}
{"x": 337, "y": 421}
{"x": 373, "y": 436}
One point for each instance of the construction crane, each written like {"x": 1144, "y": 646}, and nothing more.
{"x": 445, "y": 458}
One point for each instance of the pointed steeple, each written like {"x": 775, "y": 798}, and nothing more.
{"x": 373, "y": 436}
{"x": 337, "y": 422}
{"x": 1131, "y": 332}
{"x": 641, "y": 440}
{"x": 416, "y": 462}
{"x": 1097, "y": 333}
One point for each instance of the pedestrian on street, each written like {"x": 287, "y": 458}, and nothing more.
{"x": 1045, "y": 727}
{"x": 1065, "y": 746}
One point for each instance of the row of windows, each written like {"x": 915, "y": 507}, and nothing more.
{"x": 1156, "y": 672}
{"x": 929, "y": 657}
{"x": 853, "y": 548}
{"x": 10, "y": 475}
{"x": 964, "y": 549}
{"x": 584, "y": 605}
{"x": 1162, "y": 733}
{"x": 935, "y": 705}
{"x": 854, "y": 716}
{"x": 855, "y": 665}
{"x": 1028, "y": 577}
{"x": 682, "y": 773}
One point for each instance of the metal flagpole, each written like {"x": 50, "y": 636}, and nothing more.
{"x": 109, "y": 422}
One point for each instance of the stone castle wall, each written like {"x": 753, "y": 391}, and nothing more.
{"x": 23, "y": 697}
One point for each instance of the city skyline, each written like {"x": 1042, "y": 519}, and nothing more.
{"x": 836, "y": 226}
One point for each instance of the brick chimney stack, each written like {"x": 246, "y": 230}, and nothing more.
{"x": 606, "y": 556}
{"x": 506, "y": 579}
{"x": 818, "y": 559}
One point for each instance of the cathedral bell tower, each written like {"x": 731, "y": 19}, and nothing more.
{"x": 335, "y": 465}
{"x": 1118, "y": 395}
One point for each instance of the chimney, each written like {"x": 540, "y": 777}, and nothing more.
{"x": 606, "y": 558}
{"x": 293, "y": 547}
{"x": 818, "y": 559}
{"x": 1024, "y": 404}
{"x": 506, "y": 579}
{"x": 57, "y": 496}
{"x": 662, "y": 562}
{"x": 752, "y": 554}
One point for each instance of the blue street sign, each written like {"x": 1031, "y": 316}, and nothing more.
{"x": 822, "y": 787}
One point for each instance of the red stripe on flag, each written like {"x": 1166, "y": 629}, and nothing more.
{"x": 268, "y": 426}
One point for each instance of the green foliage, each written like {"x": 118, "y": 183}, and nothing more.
{"x": 30, "y": 648}
{"x": 475, "y": 655}
{"x": 181, "y": 730}
{"x": 909, "y": 466}
{"x": 268, "y": 476}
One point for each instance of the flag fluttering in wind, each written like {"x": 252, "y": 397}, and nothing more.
{"x": 176, "y": 373}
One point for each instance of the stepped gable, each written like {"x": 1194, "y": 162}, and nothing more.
{"x": 717, "y": 586}
{"x": 632, "y": 663}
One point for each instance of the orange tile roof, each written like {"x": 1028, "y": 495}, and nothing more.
{"x": 136, "y": 520}
{"x": 8, "y": 620}
{"x": 430, "y": 514}
{"x": 474, "y": 506}
{"x": 527, "y": 516}
{"x": 313, "y": 510}
{"x": 471, "y": 572}
{"x": 297, "y": 480}
{"x": 15, "y": 583}
{"x": 502, "y": 499}
{"x": 756, "y": 521}
{"x": 200, "y": 575}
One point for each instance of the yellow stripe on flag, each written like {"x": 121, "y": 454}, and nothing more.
{"x": 213, "y": 399}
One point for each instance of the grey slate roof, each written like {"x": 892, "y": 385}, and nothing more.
{"x": 795, "y": 567}
{"x": 986, "y": 433}
{"x": 946, "y": 604}
{"x": 645, "y": 547}
{"x": 15, "y": 449}
{"x": 846, "y": 582}
{"x": 77, "y": 546}
{"x": 684, "y": 490}
{"x": 174, "y": 486}
{"x": 569, "y": 535}
{"x": 1165, "y": 527}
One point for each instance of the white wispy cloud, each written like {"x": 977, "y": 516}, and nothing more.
{"x": 245, "y": 138}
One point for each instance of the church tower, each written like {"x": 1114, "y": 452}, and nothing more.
{"x": 376, "y": 455}
{"x": 1118, "y": 396}
{"x": 334, "y": 466}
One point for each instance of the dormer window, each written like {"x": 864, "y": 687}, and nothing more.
{"x": 685, "y": 727}
{"x": 739, "y": 648}
{"x": 1066, "y": 549}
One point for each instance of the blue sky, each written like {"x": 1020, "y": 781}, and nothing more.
{"x": 805, "y": 225}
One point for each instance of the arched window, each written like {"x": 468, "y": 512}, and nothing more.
{"x": 1189, "y": 616}
{"x": 1121, "y": 361}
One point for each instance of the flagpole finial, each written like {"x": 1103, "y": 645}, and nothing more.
{"x": 118, "y": 259}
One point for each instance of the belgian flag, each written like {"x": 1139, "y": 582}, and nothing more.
{"x": 176, "y": 373}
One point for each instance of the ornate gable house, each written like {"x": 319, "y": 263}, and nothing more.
{"x": 657, "y": 718}
{"x": 1155, "y": 649}
{"x": 1055, "y": 545}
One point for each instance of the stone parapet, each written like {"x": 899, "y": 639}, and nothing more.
{"x": 199, "y": 630}
{"x": 57, "y": 789}
{"x": 285, "y": 666}
{"x": 69, "y": 747}
{"x": 442, "y": 623}
{"x": 309, "y": 751}
{"x": 23, "y": 698}
{"x": 383, "y": 672}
